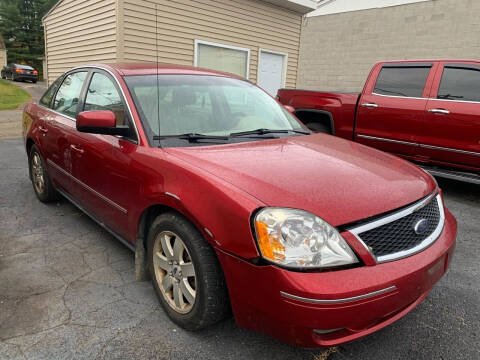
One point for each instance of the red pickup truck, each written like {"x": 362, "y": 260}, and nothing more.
{"x": 427, "y": 111}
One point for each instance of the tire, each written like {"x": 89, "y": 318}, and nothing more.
{"x": 318, "y": 127}
{"x": 3, "y": 76}
{"x": 208, "y": 303}
{"x": 42, "y": 185}
{"x": 34, "y": 81}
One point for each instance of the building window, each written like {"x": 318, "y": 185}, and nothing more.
{"x": 220, "y": 57}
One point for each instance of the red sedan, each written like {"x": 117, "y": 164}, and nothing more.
{"x": 232, "y": 204}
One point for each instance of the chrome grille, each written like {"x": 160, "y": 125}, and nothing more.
{"x": 395, "y": 236}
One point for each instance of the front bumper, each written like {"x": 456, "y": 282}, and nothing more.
{"x": 315, "y": 309}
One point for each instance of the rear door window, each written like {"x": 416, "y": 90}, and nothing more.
{"x": 460, "y": 83}
{"x": 46, "y": 99}
{"x": 405, "y": 81}
{"x": 68, "y": 95}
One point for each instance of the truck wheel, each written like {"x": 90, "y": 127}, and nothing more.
{"x": 318, "y": 127}
{"x": 186, "y": 274}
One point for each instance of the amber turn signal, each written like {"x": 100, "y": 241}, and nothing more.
{"x": 269, "y": 244}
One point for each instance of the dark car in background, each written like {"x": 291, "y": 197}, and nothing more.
{"x": 20, "y": 72}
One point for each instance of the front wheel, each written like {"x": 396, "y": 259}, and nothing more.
{"x": 42, "y": 185}
{"x": 186, "y": 274}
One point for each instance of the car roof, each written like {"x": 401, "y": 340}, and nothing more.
{"x": 431, "y": 60}
{"x": 130, "y": 69}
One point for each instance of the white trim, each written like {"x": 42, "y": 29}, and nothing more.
{"x": 329, "y": 7}
{"x": 51, "y": 10}
{"x": 209, "y": 43}
{"x": 285, "y": 63}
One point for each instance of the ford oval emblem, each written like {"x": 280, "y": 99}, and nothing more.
{"x": 421, "y": 226}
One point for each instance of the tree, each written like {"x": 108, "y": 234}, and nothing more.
{"x": 22, "y": 29}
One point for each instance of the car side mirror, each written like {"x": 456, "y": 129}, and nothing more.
{"x": 290, "y": 109}
{"x": 100, "y": 122}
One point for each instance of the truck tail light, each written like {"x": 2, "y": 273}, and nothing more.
{"x": 19, "y": 70}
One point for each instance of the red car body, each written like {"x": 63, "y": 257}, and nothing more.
{"x": 434, "y": 127}
{"x": 123, "y": 183}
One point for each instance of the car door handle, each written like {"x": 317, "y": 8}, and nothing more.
{"x": 370, "y": 105}
{"x": 439, "y": 111}
{"x": 77, "y": 149}
{"x": 43, "y": 130}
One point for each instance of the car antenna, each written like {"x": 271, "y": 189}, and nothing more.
{"x": 157, "y": 79}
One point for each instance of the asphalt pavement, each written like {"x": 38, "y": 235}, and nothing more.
{"x": 67, "y": 291}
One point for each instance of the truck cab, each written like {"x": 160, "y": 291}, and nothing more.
{"x": 426, "y": 111}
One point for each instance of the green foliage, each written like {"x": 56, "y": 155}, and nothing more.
{"x": 22, "y": 29}
{"x": 11, "y": 96}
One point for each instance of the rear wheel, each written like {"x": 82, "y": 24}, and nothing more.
{"x": 186, "y": 274}
{"x": 42, "y": 185}
{"x": 34, "y": 81}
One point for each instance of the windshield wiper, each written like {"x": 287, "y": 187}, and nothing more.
{"x": 192, "y": 137}
{"x": 268, "y": 131}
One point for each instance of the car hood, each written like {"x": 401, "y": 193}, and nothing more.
{"x": 338, "y": 180}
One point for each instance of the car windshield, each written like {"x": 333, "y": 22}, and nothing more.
{"x": 199, "y": 109}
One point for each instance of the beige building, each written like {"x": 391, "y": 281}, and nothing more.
{"x": 257, "y": 39}
{"x": 343, "y": 39}
{"x": 3, "y": 53}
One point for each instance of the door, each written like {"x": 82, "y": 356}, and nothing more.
{"x": 451, "y": 134}
{"x": 59, "y": 124}
{"x": 101, "y": 164}
{"x": 271, "y": 71}
{"x": 392, "y": 109}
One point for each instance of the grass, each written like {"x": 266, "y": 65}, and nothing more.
{"x": 11, "y": 96}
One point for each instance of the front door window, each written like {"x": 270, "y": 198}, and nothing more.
{"x": 68, "y": 95}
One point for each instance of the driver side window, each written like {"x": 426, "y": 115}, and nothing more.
{"x": 103, "y": 95}
{"x": 68, "y": 94}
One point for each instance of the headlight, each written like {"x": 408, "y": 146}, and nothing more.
{"x": 297, "y": 238}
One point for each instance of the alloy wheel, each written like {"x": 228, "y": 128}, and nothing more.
{"x": 38, "y": 173}
{"x": 174, "y": 271}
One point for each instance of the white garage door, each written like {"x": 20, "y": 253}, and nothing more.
{"x": 271, "y": 71}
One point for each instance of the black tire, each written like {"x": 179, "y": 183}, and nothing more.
{"x": 3, "y": 76}
{"x": 34, "y": 81}
{"x": 45, "y": 193}
{"x": 211, "y": 303}
{"x": 318, "y": 127}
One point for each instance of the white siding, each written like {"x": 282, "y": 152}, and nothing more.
{"x": 248, "y": 24}
{"x": 80, "y": 32}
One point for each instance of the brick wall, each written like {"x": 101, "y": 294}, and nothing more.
{"x": 338, "y": 51}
